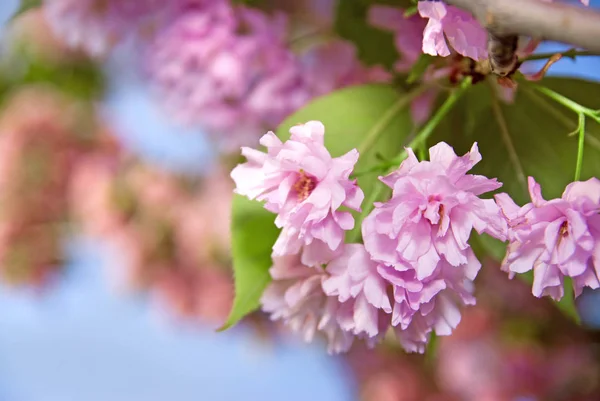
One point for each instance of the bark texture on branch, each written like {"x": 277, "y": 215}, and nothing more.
{"x": 577, "y": 26}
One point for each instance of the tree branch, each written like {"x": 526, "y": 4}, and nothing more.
{"x": 577, "y": 26}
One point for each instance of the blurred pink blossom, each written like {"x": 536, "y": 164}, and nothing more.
{"x": 95, "y": 26}
{"x": 40, "y": 142}
{"x": 408, "y": 33}
{"x": 334, "y": 65}
{"x": 228, "y": 69}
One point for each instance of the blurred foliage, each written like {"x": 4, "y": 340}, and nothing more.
{"x": 26, "y": 5}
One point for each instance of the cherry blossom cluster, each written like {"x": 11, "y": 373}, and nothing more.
{"x": 96, "y": 26}
{"x": 40, "y": 143}
{"x": 415, "y": 269}
{"x": 170, "y": 239}
{"x": 230, "y": 70}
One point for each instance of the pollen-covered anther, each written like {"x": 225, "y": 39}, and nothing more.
{"x": 304, "y": 185}
{"x": 564, "y": 229}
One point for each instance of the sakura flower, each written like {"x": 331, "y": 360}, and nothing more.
{"x": 462, "y": 31}
{"x": 295, "y": 296}
{"x": 431, "y": 305}
{"x": 355, "y": 281}
{"x": 434, "y": 207}
{"x": 301, "y": 182}
{"x": 556, "y": 239}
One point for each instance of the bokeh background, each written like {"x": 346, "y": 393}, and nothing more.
{"x": 84, "y": 337}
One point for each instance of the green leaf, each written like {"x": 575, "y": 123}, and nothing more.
{"x": 25, "y": 6}
{"x": 534, "y": 142}
{"x": 253, "y": 233}
{"x": 348, "y": 115}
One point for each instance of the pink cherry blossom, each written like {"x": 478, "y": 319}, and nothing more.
{"x": 301, "y": 182}
{"x": 296, "y": 297}
{"x": 375, "y": 296}
{"x": 434, "y": 207}
{"x": 355, "y": 281}
{"x": 461, "y": 30}
{"x": 556, "y": 239}
{"x": 431, "y": 305}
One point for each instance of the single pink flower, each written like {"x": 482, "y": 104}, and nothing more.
{"x": 434, "y": 207}
{"x": 301, "y": 182}
{"x": 556, "y": 239}
{"x": 461, "y": 30}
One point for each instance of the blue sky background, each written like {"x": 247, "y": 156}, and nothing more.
{"x": 82, "y": 342}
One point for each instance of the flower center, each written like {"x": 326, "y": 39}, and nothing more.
{"x": 304, "y": 185}
{"x": 564, "y": 229}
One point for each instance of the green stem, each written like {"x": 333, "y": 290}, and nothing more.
{"x": 571, "y": 53}
{"x": 507, "y": 139}
{"x": 377, "y": 129}
{"x": 580, "y": 147}
{"x": 568, "y": 103}
{"x": 439, "y": 115}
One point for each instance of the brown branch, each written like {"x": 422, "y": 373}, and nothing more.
{"x": 577, "y": 26}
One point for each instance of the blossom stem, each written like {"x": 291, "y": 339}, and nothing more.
{"x": 379, "y": 127}
{"x": 571, "y": 53}
{"x": 582, "y": 112}
{"x": 432, "y": 124}
{"x": 507, "y": 139}
{"x": 560, "y": 114}
{"x": 568, "y": 103}
{"x": 580, "y": 147}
